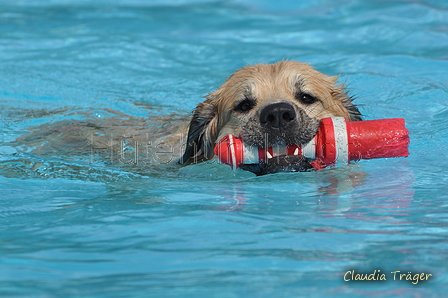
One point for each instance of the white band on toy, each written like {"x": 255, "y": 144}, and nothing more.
{"x": 250, "y": 154}
{"x": 279, "y": 149}
{"x": 309, "y": 149}
{"x": 341, "y": 140}
{"x": 232, "y": 152}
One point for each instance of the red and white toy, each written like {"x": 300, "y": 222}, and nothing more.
{"x": 337, "y": 142}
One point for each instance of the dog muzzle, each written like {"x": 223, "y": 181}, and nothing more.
{"x": 336, "y": 142}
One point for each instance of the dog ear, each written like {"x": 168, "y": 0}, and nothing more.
{"x": 353, "y": 111}
{"x": 201, "y": 134}
{"x": 341, "y": 104}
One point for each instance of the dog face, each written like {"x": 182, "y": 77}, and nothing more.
{"x": 266, "y": 104}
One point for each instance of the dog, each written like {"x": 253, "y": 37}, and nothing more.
{"x": 264, "y": 104}
{"x": 267, "y": 104}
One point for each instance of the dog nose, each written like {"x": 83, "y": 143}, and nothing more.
{"x": 277, "y": 115}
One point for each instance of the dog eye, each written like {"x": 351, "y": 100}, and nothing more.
{"x": 306, "y": 98}
{"x": 244, "y": 106}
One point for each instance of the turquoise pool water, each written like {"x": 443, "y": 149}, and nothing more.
{"x": 73, "y": 225}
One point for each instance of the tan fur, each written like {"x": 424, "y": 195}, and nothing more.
{"x": 269, "y": 82}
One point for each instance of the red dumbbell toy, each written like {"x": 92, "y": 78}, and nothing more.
{"x": 336, "y": 142}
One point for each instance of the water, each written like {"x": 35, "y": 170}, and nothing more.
{"x": 75, "y": 225}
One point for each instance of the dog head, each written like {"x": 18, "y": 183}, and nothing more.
{"x": 266, "y": 104}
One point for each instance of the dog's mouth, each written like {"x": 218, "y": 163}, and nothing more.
{"x": 282, "y": 156}
{"x": 282, "y": 163}
{"x": 271, "y": 148}
{"x": 261, "y": 161}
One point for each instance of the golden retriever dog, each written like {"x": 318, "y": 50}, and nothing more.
{"x": 266, "y": 104}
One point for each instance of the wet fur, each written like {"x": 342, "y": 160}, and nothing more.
{"x": 264, "y": 84}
